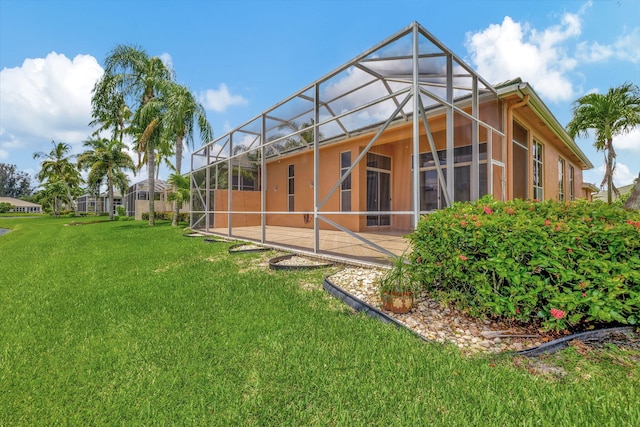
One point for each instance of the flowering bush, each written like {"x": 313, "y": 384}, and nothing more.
{"x": 562, "y": 264}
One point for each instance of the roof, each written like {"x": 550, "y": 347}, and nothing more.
{"x": 143, "y": 185}
{"x": 602, "y": 195}
{"x": 518, "y": 87}
{"x": 359, "y": 95}
{"x": 18, "y": 202}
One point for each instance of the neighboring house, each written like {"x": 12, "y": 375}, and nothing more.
{"x": 88, "y": 203}
{"x": 137, "y": 198}
{"x": 602, "y": 194}
{"x": 344, "y": 167}
{"x": 589, "y": 190}
{"x": 21, "y": 205}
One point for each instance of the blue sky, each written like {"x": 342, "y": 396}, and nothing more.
{"x": 241, "y": 57}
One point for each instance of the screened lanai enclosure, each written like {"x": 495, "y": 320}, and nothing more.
{"x": 346, "y": 166}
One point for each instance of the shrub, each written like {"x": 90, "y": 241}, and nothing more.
{"x": 121, "y": 210}
{"x": 565, "y": 265}
{"x": 5, "y": 207}
{"x": 182, "y": 217}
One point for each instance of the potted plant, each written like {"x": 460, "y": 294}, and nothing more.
{"x": 397, "y": 287}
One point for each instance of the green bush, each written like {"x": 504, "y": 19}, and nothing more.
{"x": 564, "y": 265}
{"x": 182, "y": 217}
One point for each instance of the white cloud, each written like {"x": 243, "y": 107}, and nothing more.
{"x": 625, "y": 48}
{"x": 621, "y": 176}
{"x": 513, "y": 49}
{"x": 219, "y": 100}
{"x": 47, "y": 98}
{"x": 629, "y": 141}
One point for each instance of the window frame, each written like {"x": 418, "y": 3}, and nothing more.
{"x": 345, "y": 187}
{"x": 291, "y": 187}
{"x": 537, "y": 156}
{"x": 561, "y": 179}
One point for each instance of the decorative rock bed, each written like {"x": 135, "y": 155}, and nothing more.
{"x": 431, "y": 321}
{"x": 295, "y": 262}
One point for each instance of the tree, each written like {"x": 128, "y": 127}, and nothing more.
{"x": 615, "y": 113}
{"x": 183, "y": 115}
{"x": 57, "y": 167}
{"x": 141, "y": 80}
{"x": 14, "y": 183}
{"x": 633, "y": 202}
{"x": 51, "y": 194}
{"x": 180, "y": 193}
{"x": 105, "y": 159}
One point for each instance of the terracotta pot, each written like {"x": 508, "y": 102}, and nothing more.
{"x": 397, "y": 302}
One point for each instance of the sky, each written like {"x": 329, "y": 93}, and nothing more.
{"x": 241, "y": 57}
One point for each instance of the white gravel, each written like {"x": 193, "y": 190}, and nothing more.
{"x": 436, "y": 322}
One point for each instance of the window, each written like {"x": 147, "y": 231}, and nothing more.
{"x": 538, "y": 190}
{"x": 345, "y": 188}
{"x": 572, "y": 192}
{"x": 431, "y": 196}
{"x": 560, "y": 179}
{"x": 520, "y": 159}
{"x": 290, "y": 190}
{"x": 378, "y": 189}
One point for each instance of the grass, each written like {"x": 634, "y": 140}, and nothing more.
{"x": 119, "y": 323}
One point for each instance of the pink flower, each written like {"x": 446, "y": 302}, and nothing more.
{"x": 488, "y": 210}
{"x": 464, "y": 258}
{"x": 547, "y": 222}
{"x": 584, "y": 294}
{"x": 517, "y": 311}
{"x": 558, "y": 314}
{"x": 569, "y": 250}
{"x": 510, "y": 211}
{"x": 463, "y": 223}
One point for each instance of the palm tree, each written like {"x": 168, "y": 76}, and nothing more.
{"x": 51, "y": 194}
{"x": 181, "y": 192}
{"x": 183, "y": 114}
{"x": 57, "y": 166}
{"x": 615, "y": 113}
{"x": 105, "y": 159}
{"x": 142, "y": 79}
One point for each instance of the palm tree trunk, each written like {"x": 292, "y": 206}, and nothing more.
{"x": 151, "y": 163}
{"x": 110, "y": 189}
{"x": 634, "y": 199}
{"x": 176, "y": 206}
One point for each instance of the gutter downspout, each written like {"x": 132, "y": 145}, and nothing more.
{"x": 510, "y": 108}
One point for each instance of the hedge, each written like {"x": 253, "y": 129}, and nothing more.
{"x": 563, "y": 265}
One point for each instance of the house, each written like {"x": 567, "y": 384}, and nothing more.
{"x": 347, "y": 165}
{"x": 602, "y": 195}
{"x": 89, "y": 203}
{"x": 21, "y": 205}
{"x": 136, "y": 198}
{"x": 589, "y": 190}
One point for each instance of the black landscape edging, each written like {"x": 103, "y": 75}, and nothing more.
{"x": 233, "y": 249}
{"x": 548, "y": 348}
{"x": 556, "y": 345}
{"x": 359, "y": 305}
{"x": 213, "y": 240}
{"x": 274, "y": 264}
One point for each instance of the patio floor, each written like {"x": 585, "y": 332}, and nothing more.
{"x": 336, "y": 245}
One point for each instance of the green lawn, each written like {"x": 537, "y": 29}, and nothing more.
{"x": 122, "y": 324}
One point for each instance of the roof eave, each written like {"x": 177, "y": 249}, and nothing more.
{"x": 540, "y": 108}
